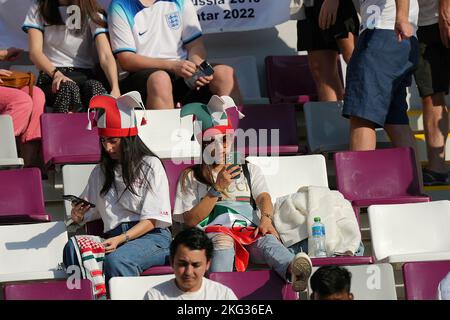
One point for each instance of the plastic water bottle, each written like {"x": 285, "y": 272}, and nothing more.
{"x": 318, "y": 233}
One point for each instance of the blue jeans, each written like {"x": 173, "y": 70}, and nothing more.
{"x": 266, "y": 249}
{"x": 133, "y": 257}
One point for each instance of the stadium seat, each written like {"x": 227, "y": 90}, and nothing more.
{"x": 328, "y": 131}
{"x": 26, "y": 68}
{"x": 289, "y": 79}
{"x": 285, "y": 175}
{"x": 65, "y": 139}
{"x": 55, "y": 290}
{"x": 371, "y": 282}
{"x": 422, "y": 279}
{"x": 167, "y": 135}
{"x": 386, "y": 176}
{"x": 8, "y": 148}
{"x": 270, "y": 129}
{"x": 410, "y": 232}
{"x": 256, "y": 285}
{"x": 134, "y": 288}
{"x": 21, "y": 197}
{"x": 32, "y": 251}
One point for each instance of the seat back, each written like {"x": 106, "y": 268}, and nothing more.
{"x": 21, "y": 196}
{"x": 256, "y": 285}
{"x": 371, "y": 282}
{"x": 167, "y": 134}
{"x": 422, "y": 279}
{"x": 173, "y": 171}
{"x": 411, "y": 231}
{"x": 32, "y": 251}
{"x": 289, "y": 77}
{"x": 285, "y": 175}
{"x": 66, "y": 140}
{"x": 266, "y": 129}
{"x": 75, "y": 179}
{"x": 55, "y": 290}
{"x": 246, "y": 74}
{"x": 26, "y": 68}
{"x": 135, "y": 288}
{"x": 375, "y": 174}
{"x": 8, "y": 148}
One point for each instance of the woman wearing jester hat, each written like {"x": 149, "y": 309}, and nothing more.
{"x": 130, "y": 190}
{"x": 232, "y": 206}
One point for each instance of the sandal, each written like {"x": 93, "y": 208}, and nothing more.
{"x": 432, "y": 178}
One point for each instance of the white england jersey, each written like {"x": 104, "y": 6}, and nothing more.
{"x": 158, "y": 31}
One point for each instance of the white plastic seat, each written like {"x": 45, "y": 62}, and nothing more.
{"x": 371, "y": 282}
{"x": 167, "y": 134}
{"x": 134, "y": 288}
{"x": 410, "y": 232}
{"x": 32, "y": 251}
{"x": 8, "y": 149}
{"x": 327, "y": 130}
{"x": 75, "y": 179}
{"x": 285, "y": 175}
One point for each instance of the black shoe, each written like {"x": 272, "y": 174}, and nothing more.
{"x": 432, "y": 178}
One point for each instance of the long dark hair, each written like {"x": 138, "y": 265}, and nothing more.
{"x": 48, "y": 9}
{"x": 133, "y": 150}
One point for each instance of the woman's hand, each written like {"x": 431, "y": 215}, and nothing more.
{"x": 328, "y": 13}
{"x": 111, "y": 244}
{"x": 78, "y": 211}
{"x": 225, "y": 178}
{"x": 5, "y": 73}
{"x": 266, "y": 227}
{"x": 115, "y": 92}
{"x": 59, "y": 78}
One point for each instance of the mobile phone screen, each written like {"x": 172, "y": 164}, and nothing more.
{"x": 76, "y": 200}
{"x": 207, "y": 69}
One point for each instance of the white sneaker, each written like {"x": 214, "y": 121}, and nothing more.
{"x": 301, "y": 268}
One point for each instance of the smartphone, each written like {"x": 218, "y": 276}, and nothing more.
{"x": 205, "y": 69}
{"x": 233, "y": 163}
{"x": 77, "y": 200}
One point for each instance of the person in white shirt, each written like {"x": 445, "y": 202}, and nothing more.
{"x": 433, "y": 81}
{"x": 130, "y": 191}
{"x": 67, "y": 39}
{"x": 190, "y": 257}
{"x": 159, "y": 44}
{"x": 379, "y": 72}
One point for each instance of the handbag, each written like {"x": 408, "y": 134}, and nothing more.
{"x": 19, "y": 80}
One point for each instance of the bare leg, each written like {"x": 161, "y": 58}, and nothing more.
{"x": 435, "y": 121}
{"x": 225, "y": 83}
{"x": 159, "y": 91}
{"x": 362, "y": 135}
{"x": 323, "y": 66}
{"x": 347, "y": 45}
{"x": 30, "y": 153}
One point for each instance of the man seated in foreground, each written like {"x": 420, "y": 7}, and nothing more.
{"x": 331, "y": 283}
{"x": 190, "y": 257}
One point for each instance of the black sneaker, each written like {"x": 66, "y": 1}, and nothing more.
{"x": 432, "y": 178}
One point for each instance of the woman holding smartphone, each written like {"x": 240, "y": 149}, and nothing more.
{"x": 130, "y": 190}
{"x": 66, "y": 39}
{"x": 233, "y": 206}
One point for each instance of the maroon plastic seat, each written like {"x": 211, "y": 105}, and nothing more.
{"x": 65, "y": 139}
{"x": 384, "y": 176}
{"x": 341, "y": 261}
{"x": 21, "y": 197}
{"x": 54, "y": 290}
{"x": 256, "y": 285}
{"x": 422, "y": 278}
{"x": 262, "y": 120}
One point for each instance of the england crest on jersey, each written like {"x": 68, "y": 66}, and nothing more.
{"x": 173, "y": 20}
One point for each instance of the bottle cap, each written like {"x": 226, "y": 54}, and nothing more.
{"x": 316, "y": 219}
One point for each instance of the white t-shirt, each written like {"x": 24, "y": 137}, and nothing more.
{"x": 210, "y": 290}
{"x": 428, "y": 12}
{"x": 380, "y": 14}
{"x": 238, "y": 192}
{"x": 62, "y": 46}
{"x": 119, "y": 206}
{"x": 159, "y": 31}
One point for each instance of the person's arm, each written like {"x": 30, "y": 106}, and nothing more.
{"x": 108, "y": 63}
{"x": 403, "y": 27}
{"x": 197, "y": 54}
{"x": 444, "y": 21}
{"x": 10, "y": 54}
{"x": 328, "y": 13}
{"x": 135, "y": 232}
{"x": 264, "y": 203}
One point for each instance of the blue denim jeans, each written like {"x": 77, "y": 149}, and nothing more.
{"x": 266, "y": 250}
{"x": 133, "y": 257}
